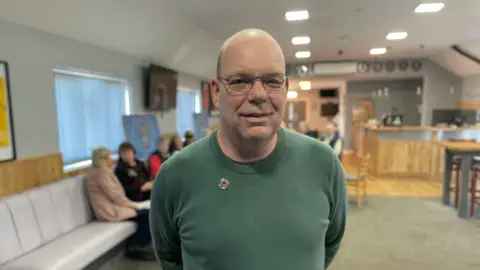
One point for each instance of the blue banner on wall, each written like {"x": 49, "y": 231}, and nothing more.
{"x": 142, "y": 131}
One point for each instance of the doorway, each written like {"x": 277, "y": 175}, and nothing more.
{"x": 362, "y": 111}
{"x": 295, "y": 113}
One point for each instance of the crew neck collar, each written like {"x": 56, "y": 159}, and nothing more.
{"x": 263, "y": 165}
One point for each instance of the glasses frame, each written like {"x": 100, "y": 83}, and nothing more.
{"x": 224, "y": 81}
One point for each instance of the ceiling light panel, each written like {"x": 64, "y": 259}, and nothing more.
{"x": 378, "y": 51}
{"x": 429, "y": 7}
{"x": 301, "y": 40}
{"x": 298, "y": 15}
{"x": 303, "y": 54}
{"x": 292, "y": 94}
{"x": 305, "y": 85}
{"x": 397, "y": 35}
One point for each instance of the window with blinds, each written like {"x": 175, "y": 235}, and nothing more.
{"x": 188, "y": 103}
{"x": 89, "y": 113}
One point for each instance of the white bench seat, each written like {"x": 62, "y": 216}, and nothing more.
{"x": 51, "y": 228}
{"x": 76, "y": 249}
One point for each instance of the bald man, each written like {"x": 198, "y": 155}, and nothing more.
{"x": 252, "y": 195}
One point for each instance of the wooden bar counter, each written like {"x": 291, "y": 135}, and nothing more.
{"x": 410, "y": 151}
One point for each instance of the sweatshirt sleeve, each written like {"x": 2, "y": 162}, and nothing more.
{"x": 165, "y": 235}
{"x": 338, "y": 212}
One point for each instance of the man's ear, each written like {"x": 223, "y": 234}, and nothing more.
{"x": 215, "y": 92}
{"x": 287, "y": 84}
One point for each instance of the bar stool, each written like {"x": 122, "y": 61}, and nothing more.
{"x": 456, "y": 168}
{"x": 474, "y": 191}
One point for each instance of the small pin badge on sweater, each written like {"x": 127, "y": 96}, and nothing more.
{"x": 223, "y": 184}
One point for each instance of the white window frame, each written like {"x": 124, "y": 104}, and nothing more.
{"x": 86, "y": 74}
{"x": 198, "y": 102}
{"x": 198, "y": 97}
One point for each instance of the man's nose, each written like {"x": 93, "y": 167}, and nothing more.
{"x": 257, "y": 94}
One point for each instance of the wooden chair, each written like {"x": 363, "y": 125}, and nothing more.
{"x": 359, "y": 180}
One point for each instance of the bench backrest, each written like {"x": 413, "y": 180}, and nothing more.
{"x": 38, "y": 216}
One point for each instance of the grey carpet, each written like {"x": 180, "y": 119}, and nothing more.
{"x": 400, "y": 233}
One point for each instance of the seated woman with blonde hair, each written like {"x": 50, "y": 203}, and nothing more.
{"x": 109, "y": 203}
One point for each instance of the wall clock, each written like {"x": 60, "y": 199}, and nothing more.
{"x": 377, "y": 66}
{"x": 390, "y": 65}
{"x": 363, "y": 67}
{"x": 403, "y": 65}
{"x": 416, "y": 65}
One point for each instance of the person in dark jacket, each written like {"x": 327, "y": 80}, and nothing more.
{"x": 158, "y": 157}
{"x": 133, "y": 174}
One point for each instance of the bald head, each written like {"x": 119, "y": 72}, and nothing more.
{"x": 248, "y": 36}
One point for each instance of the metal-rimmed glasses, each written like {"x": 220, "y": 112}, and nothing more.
{"x": 243, "y": 83}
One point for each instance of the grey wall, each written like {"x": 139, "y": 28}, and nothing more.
{"x": 471, "y": 88}
{"x": 402, "y": 95}
{"x": 32, "y": 55}
{"x": 437, "y": 83}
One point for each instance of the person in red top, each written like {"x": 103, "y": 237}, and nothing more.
{"x": 158, "y": 157}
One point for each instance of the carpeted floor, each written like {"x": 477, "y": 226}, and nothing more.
{"x": 400, "y": 233}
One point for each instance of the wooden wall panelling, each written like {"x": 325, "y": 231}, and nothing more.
{"x": 474, "y": 105}
{"x": 438, "y": 165}
{"x": 24, "y": 174}
{"x": 370, "y": 142}
{"x": 404, "y": 158}
{"x": 20, "y": 175}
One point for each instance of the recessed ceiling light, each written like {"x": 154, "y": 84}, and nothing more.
{"x": 397, "y": 35}
{"x": 300, "y": 40}
{"x": 305, "y": 85}
{"x": 304, "y": 54}
{"x": 377, "y": 51}
{"x": 429, "y": 7}
{"x": 292, "y": 94}
{"x": 298, "y": 15}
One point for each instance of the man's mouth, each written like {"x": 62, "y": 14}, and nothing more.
{"x": 254, "y": 115}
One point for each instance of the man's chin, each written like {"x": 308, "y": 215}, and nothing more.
{"x": 259, "y": 133}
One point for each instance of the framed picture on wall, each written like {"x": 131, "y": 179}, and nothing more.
{"x": 7, "y": 138}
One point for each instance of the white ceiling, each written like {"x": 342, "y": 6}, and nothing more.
{"x": 186, "y": 34}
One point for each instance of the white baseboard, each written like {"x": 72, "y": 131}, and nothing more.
{"x": 347, "y": 151}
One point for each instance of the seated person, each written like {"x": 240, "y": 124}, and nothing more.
{"x": 303, "y": 128}
{"x": 133, "y": 174}
{"x": 109, "y": 203}
{"x": 176, "y": 145}
{"x": 158, "y": 157}
{"x": 189, "y": 138}
{"x": 207, "y": 132}
{"x": 333, "y": 139}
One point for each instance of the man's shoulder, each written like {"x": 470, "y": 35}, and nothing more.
{"x": 302, "y": 143}
{"x": 190, "y": 155}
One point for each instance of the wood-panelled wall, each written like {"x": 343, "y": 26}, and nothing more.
{"x": 20, "y": 175}
{"x": 474, "y": 105}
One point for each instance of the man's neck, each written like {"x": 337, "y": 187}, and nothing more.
{"x": 245, "y": 150}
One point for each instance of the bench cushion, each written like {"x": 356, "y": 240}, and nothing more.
{"x": 76, "y": 249}
{"x": 9, "y": 243}
{"x": 25, "y": 222}
{"x": 63, "y": 205}
{"x": 45, "y": 213}
{"x": 79, "y": 201}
